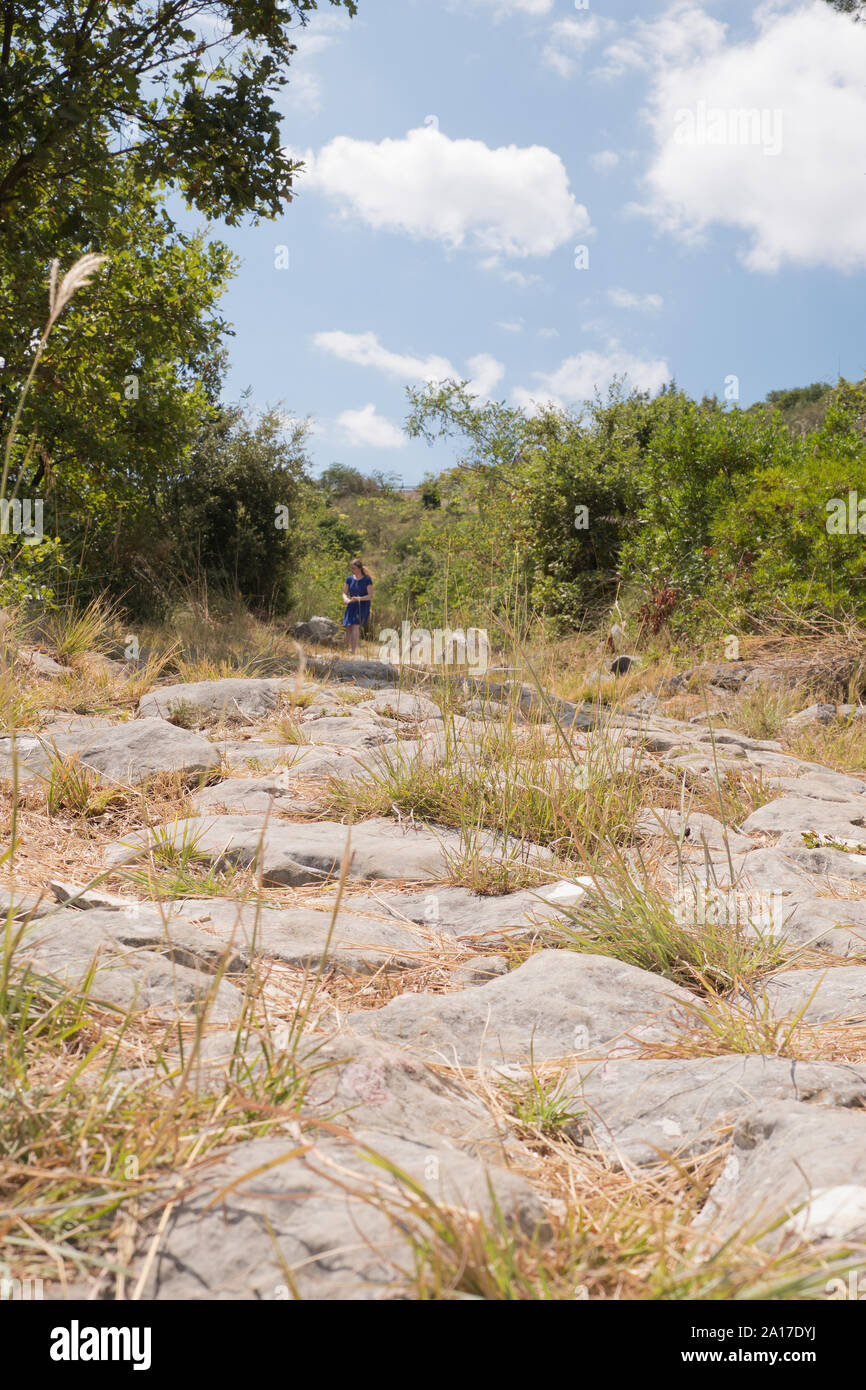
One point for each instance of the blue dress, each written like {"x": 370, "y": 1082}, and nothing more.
{"x": 357, "y": 613}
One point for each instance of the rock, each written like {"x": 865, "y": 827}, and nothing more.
{"x": 43, "y": 664}
{"x": 621, "y": 664}
{"x": 232, "y": 699}
{"x": 766, "y": 872}
{"x": 823, "y": 786}
{"x": 74, "y": 895}
{"x": 346, "y": 731}
{"x": 245, "y": 796}
{"x": 139, "y": 962}
{"x": 125, "y": 753}
{"x": 20, "y": 907}
{"x": 360, "y": 943}
{"x": 299, "y": 853}
{"x": 369, "y": 674}
{"x": 818, "y": 996}
{"x": 694, "y": 830}
{"x": 322, "y": 630}
{"x": 461, "y": 913}
{"x": 640, "y": 1111}
{"x": 794, "y": 1164}
{"x": 555, "y": 1005}
{"x": 813, "y": 714}
{"x": 478, "y": 970}
{"x": 789, "y": 814}
{"x": 402, "y": 704}
{"x": 834, "y": 924}
{"x": 825, "y": 862}
{"x": 315, "y": 1212}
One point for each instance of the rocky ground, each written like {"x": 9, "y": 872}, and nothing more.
{"x": 654, "y": 1012}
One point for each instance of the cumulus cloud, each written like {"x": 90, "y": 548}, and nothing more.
{"x": 625, "y": 299}
{"x": 365, "y": 350}
{"x": 765, "y": 136}
{"x": 365, "y": 428}
{"x": 604, "y": 159}
{"x": 509, "y": 201}
{"x": 578, "y": 378}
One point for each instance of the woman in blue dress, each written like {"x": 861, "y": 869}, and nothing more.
{"x": 356, "y": 600}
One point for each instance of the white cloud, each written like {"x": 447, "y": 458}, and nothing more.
{"x": 365, "y": 428}
{"x": 625, "y": 299}
{"x": 604, "y": 159}
{"x": 683, "y": 34}
{"x": 365, "y": 350}
{"x": 548, "y": 332}
{"x": 577, "y": 378}
{"x": 486, "y": 373}
{"x": 514, "y": 327}
{"x": 508, "y": 201}
{"x": 569, "y": 40}
{"x": 793, "y": 182}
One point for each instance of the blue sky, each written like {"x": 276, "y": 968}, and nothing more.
{"x": 458, "y": 153}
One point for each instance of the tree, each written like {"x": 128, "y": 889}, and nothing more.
{"x": 233, "y": 513}
{"x": 128, "y": 374}
{"x": 181, "y": 94}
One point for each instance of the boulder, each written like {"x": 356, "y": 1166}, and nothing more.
{"x": 321, "y": 630}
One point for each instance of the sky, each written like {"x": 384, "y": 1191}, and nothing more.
{"x": 541, "y": 195}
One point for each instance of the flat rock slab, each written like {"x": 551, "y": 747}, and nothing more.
{"x": 359, "y": 943}
{"x": 558, "y": 1004}
{"x": 795, "y": 1172}
{"x": 639, "y": 1112}
{"x": 794, "y": 814}
{"x": 245, "y": 796}
{"x": 823, "y": 786}
{"x": 836, "y": 924}
{"x": 346, "y": 731}
{"x": 825, "y": 863}
{"x": 402, "y": 704}
{"x": 461, "y": 913}
{"x": 819, "y": 996}
{"x": 233, "y": 698}
{"x": 129, "y": 753}
{"x": 691, "y": 831}
{"x": 311, "y": 1211}
{"x": 142, "y": 965}
{"x": 764, "y": 872}
{"x": 296, "y": 854}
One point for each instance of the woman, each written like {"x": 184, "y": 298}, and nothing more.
{"x": 356, "y": 598}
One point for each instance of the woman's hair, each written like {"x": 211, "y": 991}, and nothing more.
{"x": 362, "y": 567}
